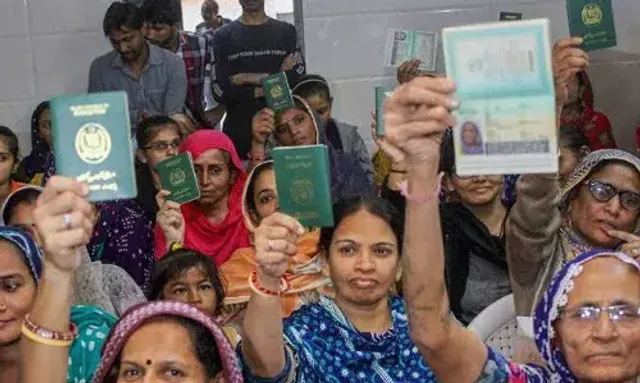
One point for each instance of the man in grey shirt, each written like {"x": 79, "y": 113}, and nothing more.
{"x": 155, "y": 79}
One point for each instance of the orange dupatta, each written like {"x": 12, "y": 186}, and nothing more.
{"x": 304, "y": 274}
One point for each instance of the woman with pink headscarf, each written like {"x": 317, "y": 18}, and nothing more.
{"x": 213, "y": 225}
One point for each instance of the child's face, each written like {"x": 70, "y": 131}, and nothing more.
{"x": 320, "y": 105}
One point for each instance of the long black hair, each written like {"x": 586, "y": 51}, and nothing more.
{"x": 313, "y": 85}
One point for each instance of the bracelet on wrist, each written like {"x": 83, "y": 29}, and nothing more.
{"x": 256, "y": 157}
{"x": 261, "y": 290}
{"x": 404, "y": 190}
{"x": 48, "y": 337}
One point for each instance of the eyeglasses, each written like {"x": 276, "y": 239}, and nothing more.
{"x": 289, "y": 125}
{"x": 589, "y": 315}
{"x": 160, "y": 146}
{"x": 604, "y": 192}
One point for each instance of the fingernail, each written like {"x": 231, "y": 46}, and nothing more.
{"x": 454, "y": 104}
{"x": 300, "y": 230}
{"x": 85, "y": 190}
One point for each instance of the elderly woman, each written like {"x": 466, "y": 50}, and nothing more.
{"x": 361, "y": 334}
{"x": 587, "y": 322}
{"x": 213, "y": 224}
{"x": 300, "y": 126}
{"x": 304, "y": 273}
{"x": 597, "y": 207}
{"x": 152, "y": 342}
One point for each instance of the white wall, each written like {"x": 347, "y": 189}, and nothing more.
{"x": 47, "y": 47}
{"x": 344, "y": 41}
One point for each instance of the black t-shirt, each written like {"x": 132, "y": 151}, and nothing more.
{"x": 241, "y": 48}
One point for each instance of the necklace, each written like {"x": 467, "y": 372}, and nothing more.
{"x": 577, "y": 244}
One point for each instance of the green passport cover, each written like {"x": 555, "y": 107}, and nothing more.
{"x": 593, "y": 21}
{"x": 382, "y": 93}
{"x": 178, "y": 176}
{"x": 277, "y": 92}
{"x": 510, "y": 16}
{"x": 304, "y": 185}
{"x": 92, "y": 143}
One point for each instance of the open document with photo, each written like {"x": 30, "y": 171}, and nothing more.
{"x": 506, "y": 119}
{"x": 403, "y": 44}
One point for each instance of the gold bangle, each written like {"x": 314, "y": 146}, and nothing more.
{"x": 175, "y": 246}
{"x": 47, "y": 342}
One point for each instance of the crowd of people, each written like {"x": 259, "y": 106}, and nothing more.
{"x": 229, "y": 289}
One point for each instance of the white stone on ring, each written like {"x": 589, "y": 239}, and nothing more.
{"x": 67, "y": 221}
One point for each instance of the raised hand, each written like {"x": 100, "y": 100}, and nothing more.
{"x": 417, "y": 115}
{"x": 275, "y": 242}
{"x": 631, "y": 243}
{"x": 289, "y": 63}
{"x": 170, "y": 218}
{"x": 262, "y": 125}
{"x": 568, "y": 61}
{"x": 64, "y": 221}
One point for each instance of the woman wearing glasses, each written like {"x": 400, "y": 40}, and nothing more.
{"x": 300, "y": 126}
{"x": 598, "y": 207}
{"x": 587, "y": 322}
{"x": 158, "y": 138}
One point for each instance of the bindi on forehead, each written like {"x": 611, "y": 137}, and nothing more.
{"x": 149, "y": 362}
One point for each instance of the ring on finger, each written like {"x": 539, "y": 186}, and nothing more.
{"x": 67, "y": 221}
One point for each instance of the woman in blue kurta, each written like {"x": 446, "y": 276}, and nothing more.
{"x": 360, "y": 335}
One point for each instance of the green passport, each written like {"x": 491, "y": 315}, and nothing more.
{"x": 92, "y": 143}
{"x": 382, "y": 93}
{"x": 304, "y": 184}
{"x": 593, "y": 21}
{"x": 277, "y": 93}
{"x": 178, "y": 176}
{"x": 510, "y": 16}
